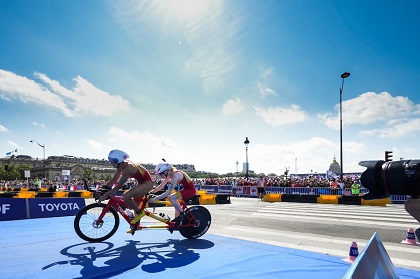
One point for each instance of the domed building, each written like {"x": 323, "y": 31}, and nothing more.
{"x": 335, "y": 167}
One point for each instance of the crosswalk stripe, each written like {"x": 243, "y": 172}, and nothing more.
{"x": 334, "y": 219}
{"x": 348, "y": 216}
{"x": 393, "y": 216}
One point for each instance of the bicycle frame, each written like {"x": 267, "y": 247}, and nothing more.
{"x": 118, "y": 203}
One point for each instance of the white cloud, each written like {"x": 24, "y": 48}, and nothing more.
{"x": 265, "y": 91}
{"x": 14, "y": 87}
{"x": 3, "y": 129}
{"x": 146, "y": 147}
{"x": 277, "y": 116}
{"x": 83, "y": 98}
{"x": 13, "y": 144}
{"x": 266, "y": 73}
{"x": 316, "y": 153}
{"x": 121, "y": 137}
{"x": 396, "y": 129}
{"x": 233, "y": 106}
{"x": 39, "y": 125}
{"x": 371, "y": 107}
{"x": 95, "y": 144}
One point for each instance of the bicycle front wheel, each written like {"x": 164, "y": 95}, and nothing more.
{"x": 86, "y": 223}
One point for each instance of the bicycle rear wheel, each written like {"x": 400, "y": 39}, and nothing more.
{"x": 86, "y": 227}
{"x": 203, "y": 217}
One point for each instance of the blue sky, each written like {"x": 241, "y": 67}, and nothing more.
{"x": 188, "y": 80}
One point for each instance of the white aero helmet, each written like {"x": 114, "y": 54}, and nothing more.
{"x": 117, "y": 156}
{"x": 162, "y": 167}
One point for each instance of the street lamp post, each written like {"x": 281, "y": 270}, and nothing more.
{"x": 246, "y": 142}
{"x": 43, "y": 147}
{"x": 343, "y": 76}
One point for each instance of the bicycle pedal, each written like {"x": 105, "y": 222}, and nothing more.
{"x": 135, "y": 227}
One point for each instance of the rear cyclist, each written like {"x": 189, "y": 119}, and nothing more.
{"x": 170, "y": 173}
{"x": 127, "y": 169}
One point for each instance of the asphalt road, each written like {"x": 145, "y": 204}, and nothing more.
{"x": 323, "y": 228}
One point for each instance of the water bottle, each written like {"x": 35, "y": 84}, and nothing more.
{"x": 129, "y": 213}
{"x": 164, "y": 216}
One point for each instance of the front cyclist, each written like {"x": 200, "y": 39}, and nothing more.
{"x": 170, "y": 173}
{"x": 127, "y": 169}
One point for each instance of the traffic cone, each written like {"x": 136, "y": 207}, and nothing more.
{"x": 410, "y": 238}
{"x": 353, "y": 253}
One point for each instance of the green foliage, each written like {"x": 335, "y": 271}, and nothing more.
{"x": 196, "y": 175}
{"x": 14, "y": 172}
{"x": 88, "y": 174}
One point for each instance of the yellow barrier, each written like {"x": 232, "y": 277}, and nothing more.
{"x": 86, "y": 194}
{"x": 328, "y": 199}
{"x": 201, "y": 192}
{"x": 25, "y": 194}
{"x": 60, "y": 194}
{"x": 272, "y": 197}
{"x": 378, "y": 202}
{"x": 207, "y": 199}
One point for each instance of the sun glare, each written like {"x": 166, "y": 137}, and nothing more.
{"x": 185, "y": 10}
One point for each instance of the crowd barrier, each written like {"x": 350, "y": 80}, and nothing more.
{"x": 304, "y": 194}
{"x": 32, "y": 193}
{"x": 221, "y": 194}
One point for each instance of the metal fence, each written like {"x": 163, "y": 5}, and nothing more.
{"x": 251, "y": 191}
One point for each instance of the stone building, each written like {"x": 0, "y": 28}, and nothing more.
{"x": 54, "y": 167}
{"x": 335, "y": 167}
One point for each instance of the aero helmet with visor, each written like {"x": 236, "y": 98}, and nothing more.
{"x": 162, "y": 167}
{"x": 117, "y": 156}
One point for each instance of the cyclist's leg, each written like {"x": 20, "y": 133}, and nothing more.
{"x": 173, "y": 198}
{"x": 139, "y": 191}
{"x": 184, "y": 194}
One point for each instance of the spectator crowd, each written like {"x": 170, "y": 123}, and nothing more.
{"x": 310, "y": 181}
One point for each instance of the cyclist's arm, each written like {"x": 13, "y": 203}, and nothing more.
{"x": 164, "y": 195}
{"x": 158, "y": 188}
{"x": 121, "y": 175}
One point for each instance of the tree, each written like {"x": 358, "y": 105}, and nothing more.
{"x": 11, "y": 173}
{"x": 22, "y": 168}
{"x": 14, "y": 171}
{"x": 88, "y": 174}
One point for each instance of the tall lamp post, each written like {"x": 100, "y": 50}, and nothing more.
{"x": 43, "y": 147}
{"x": 343, "y": 76}
{"x": 246, "y": 142}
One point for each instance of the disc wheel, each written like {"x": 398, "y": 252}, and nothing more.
{"x": 87, "y": 228}
{"x": 203, "y": 217}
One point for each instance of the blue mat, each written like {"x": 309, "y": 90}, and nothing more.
{"x": 49, "y": 248}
